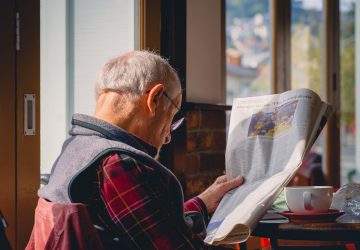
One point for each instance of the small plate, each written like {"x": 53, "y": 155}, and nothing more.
{"x": 328, "y": 216}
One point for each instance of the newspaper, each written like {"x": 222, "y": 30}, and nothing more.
{"x": 268, "y": 138}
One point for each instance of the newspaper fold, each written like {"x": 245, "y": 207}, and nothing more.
{"x": 268, "y": 138}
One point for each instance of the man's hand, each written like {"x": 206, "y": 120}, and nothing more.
{"x": 213, "y": 194}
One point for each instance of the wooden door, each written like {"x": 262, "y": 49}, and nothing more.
{"x": 7, "y": 114}
{"x": 20, "y": 152}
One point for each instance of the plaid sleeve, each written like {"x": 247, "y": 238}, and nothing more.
{"x": 196, "y": 204}
{"x": 135, "y": 204}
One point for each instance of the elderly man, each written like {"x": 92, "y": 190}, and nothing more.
{"x": 109, "y": 162}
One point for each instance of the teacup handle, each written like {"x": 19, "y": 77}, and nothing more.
{"x": 307, "y": 200}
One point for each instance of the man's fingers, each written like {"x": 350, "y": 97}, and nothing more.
{"x": 233, "y": 183}
{"x": 221, "y": 179}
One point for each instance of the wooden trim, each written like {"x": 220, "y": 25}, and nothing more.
{"x": 205, "y": 106}
{"x": 173, "y": 47}
{"x": 8, "y": 119}
{"x": 174, "y": 36}
{"x": 332, "y": 89}
{"x": 281, "y": 52}
{"x": 141, "y": 23}
{"x": 149, "y": 16}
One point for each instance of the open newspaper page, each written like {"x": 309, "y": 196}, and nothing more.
{"x": 268, "y": 137}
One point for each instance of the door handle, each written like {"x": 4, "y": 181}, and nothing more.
{"x": 29, "y": 114}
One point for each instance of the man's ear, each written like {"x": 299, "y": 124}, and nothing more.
{"x": 154, "y": 97}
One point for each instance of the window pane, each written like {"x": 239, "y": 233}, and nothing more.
{"x": 248, "y": 28}
{"x": 306, "y": 44}
{"x": 99, "y": 31}
{"x": 77, "y": 37}
{"x": 347, "y": 94}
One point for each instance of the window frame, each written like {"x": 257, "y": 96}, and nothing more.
{"x": 281, "y": 73}
{"x": 149, "y": 18}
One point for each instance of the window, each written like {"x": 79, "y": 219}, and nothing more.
{"x": 311, "y": 38}
{"x": 77, "y": 38}
{"x": 307, "y": 42}
{"x": 248, "y": 33}
{"x": 307, "y": 24}
{"x": 347, "y": 94}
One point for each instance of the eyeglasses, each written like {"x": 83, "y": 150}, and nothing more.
{"x": 177, "y": 123}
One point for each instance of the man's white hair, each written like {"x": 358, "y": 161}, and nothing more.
{"x": 134, "y": 71}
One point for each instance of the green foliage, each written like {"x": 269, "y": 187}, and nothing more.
{"x": 347, "y": 83}
{"x": 347, "y": 66}
{"x": 316, "y": 60}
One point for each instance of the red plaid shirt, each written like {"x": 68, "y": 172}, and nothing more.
{"x": 135, "y": 202}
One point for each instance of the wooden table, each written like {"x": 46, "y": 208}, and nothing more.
{"x": 331, "y": 231}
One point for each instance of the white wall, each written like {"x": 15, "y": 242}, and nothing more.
{"x": 205, "y": 70}
{"x": 77, "y": 38}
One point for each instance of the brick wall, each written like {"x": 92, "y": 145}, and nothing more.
{"x": 205, "y": 148}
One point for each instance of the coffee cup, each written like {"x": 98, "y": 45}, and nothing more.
{"x": 309, "y": 199}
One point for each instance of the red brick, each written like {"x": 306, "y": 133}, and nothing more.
{"x": 193, "y": 120}
{"x": 194, "y": 186}
{"x": 213, "y": 119}
{"x": 205, "y": 141}
{"x": 192, "y": 166}
{"x": 199, "y": 141}
{"x": 214, "y": 162}
{"x": 219, "y": 141}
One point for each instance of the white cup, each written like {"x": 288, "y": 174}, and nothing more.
{"x": 309, "y": 199}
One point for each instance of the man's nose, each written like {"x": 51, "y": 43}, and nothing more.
{"x": 167, "y": 139}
